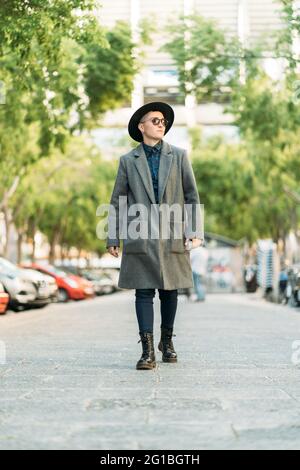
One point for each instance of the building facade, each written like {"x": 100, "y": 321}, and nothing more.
{"x": 247, "y": 19}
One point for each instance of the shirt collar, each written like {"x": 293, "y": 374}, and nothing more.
{"x": 150, "y": 148}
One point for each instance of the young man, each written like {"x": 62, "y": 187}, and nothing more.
{"x": 155, "y": 175}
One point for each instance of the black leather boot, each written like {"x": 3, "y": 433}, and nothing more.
{"x": 147, "y": 360}
{"x": 166, "y": 345}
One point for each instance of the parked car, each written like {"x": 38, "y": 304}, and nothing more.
{"x": 43, "y": 279}
{"x": 4, "y": 299}
{"x": 53, "y": 287}
{"x": 43, "y": 287}
{"x": 22, "y": 292}
{"x": 72, "y": 271}
{"x": 101, "y": 282}
{"x": 68, "y": 288}
{"x": 44, "y": 290}
{"x": 86, "y": 285}
{"x": 108, "y": 278}
{"x": 74, "y": 274}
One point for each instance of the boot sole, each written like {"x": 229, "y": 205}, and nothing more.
{"x": 173, "y": 360}
{"x": 150, "y": 367}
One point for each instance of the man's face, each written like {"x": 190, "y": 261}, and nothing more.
{"x": 150, "y": 130}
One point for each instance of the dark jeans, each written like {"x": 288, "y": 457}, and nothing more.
{"x": 144, "y": 308}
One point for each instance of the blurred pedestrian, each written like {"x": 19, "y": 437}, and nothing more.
{"x": 199, "y": 260}
{"x": 152, "y": 174}
{"x": 283, "y": 284}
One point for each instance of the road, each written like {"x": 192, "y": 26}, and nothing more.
{"x": 69, "y": 378}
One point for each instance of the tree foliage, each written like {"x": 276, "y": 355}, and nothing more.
{"x": 207, "y": 61}
{"x": 249, "y": 188}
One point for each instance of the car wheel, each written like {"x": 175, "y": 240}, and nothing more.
{"x": 63, "y": 295}
{"x": 18, "y": 308}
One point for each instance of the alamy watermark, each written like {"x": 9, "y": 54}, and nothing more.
{"x": 161, "y": 221}
{"x": 2, "y": 353}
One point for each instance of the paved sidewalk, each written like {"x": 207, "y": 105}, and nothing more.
{"x": 70, "y": 382}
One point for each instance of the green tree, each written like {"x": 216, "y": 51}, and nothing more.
{"x": 212, "y": 55}
{"x": 225, "y": 179}
{"x": 52, "y": 56}
{"x": 249, "y": 189}
{"x": 59, "y": 197}
{"x": 268, "y": 117}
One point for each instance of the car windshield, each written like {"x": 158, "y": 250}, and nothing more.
{"x": 66, "y": 270}
{"x": 56, "y": 271}
{"x": 6, "y": 267}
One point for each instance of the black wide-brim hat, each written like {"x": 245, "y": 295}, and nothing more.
{"x": 164, "y": 108}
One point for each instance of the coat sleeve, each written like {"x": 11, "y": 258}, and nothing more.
{"x": 193, "y": 211}
{"x": 116, "y": 206}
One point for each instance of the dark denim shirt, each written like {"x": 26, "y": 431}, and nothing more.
{"x": 153, "y": 158}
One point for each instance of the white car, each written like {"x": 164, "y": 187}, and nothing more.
{"x": 21, "y": 293}
{"x": 24, "y": 289}
{"x": 52, "y": 285}
{"x": 45, "y": 289}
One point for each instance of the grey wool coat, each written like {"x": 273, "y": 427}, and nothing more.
{"x": 157, "y": 262}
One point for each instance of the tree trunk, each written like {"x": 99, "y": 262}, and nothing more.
{"x": 8, "y": 194}
{"x": 55, "y": 239}
{"x": 7, "y": 222}
{"x": 79, "y": 254}
{"x": 52, "y": 251}
{"x": 62, "y": 253}
{"x": 19, "y": 247}
{"x": 33, "y": 251}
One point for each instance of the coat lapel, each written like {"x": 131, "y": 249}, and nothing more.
{"x": 142, "y": 166}
{"x": 166, "y": 160}
{"x": 141, "y": 163}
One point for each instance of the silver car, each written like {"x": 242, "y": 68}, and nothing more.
{"x": 23, "y": 291}
{"x": 45, "y": 290}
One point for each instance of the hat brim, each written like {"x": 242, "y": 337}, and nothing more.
{"x": 164, "y": 108}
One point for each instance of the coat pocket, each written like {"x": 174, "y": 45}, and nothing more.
{"x": 137, "y": 247}
{"x": 177, "y": 238}
{"x": 138, "y": 244}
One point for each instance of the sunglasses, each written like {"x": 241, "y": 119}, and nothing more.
{"x": 156, "y": 121}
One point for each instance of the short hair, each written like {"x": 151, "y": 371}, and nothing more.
{"x": 153, "y": 111}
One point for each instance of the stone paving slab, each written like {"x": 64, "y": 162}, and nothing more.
{"x": 69, "y": 381}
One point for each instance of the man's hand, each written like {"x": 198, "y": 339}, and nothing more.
{"x": 114, "y": 250}
{"x": 195, "y": 242}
